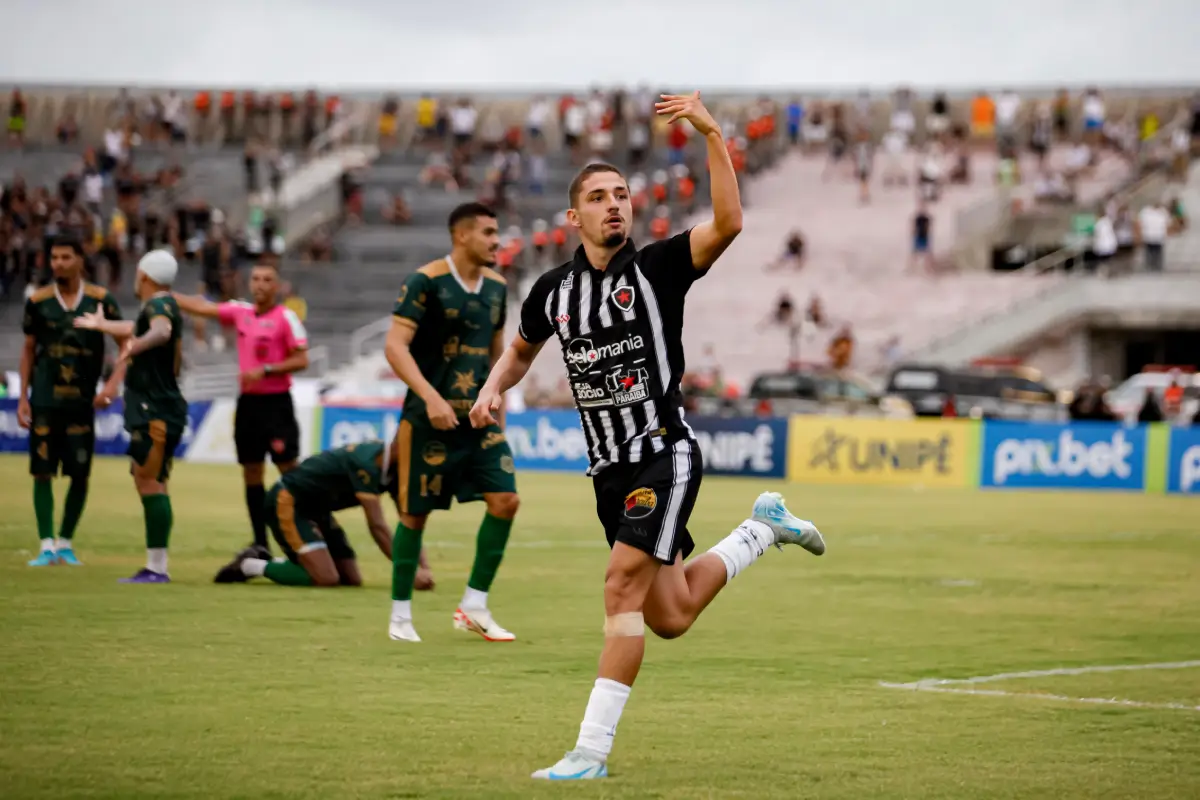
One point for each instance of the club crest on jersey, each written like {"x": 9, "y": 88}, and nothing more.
{"x": 640, "y": 503}
{"x": 434, "y": 454}
{"x": 622, "y": 298}
{"x": 628, "y": 385}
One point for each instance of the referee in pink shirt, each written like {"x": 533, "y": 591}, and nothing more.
{"x": 272, "y": 344}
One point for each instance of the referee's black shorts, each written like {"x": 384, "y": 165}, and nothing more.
{"x": 265, "y": 424}
{"x": 647, "y": 504}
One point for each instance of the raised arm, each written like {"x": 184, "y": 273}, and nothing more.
{"x": 709, "y": 239}
{"x": 197, "y": 306}
{"x": 376, "y": 522}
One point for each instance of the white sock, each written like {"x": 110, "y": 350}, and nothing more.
{"x": 254, "y": 567}
{"x": 47, "y": 545}
{"x": 402, "y": 609}
{"x": 156, "y": 559}
{"x": 742, "y": 548}
{"x": 62, "y": 544}
{"x": 600, "y": 720}
{"x": 473, "y": 598}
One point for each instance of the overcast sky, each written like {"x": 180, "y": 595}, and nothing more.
{"x": 551, "y": 43}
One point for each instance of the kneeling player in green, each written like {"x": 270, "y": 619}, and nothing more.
{"x": 447, "y": 331}
{"x": 60, "y": 368}
{"x": 299, "y": 513}
{"x": 155, "y": 411}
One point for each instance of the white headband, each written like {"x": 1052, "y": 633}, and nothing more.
{"x": 159, "y": 266}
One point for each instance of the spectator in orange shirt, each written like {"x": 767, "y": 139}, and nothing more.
{"x": 983, "y": 116}
{"x": 203, "y": 105}
{"x": 841, "y": 349}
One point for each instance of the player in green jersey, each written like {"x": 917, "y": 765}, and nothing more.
{"x": 60, "y": 369}
{"x": 155, "y": 411}
{"x": 299, "y": 514}
{"x": 447, "y": 331}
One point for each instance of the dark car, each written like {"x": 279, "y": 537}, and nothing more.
{"x": 987, "y": 392}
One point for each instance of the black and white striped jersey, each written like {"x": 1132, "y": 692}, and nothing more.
{"x": 621, "y": 329}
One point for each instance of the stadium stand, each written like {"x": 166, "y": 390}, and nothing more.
{"x": 246, "y": 153}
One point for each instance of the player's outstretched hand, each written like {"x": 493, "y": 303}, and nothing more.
{"x": 689, "y": 107}
{"x": 90, "y": 321}
{"x": 483, "y": 413}
{"x": 441, "y": 415}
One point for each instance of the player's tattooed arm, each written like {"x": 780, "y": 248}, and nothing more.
{"x": 96, "y": 321}
{"x": 158, "y": 335}
{"x": 376, "y": 522}
{"x": 710, "y": 239}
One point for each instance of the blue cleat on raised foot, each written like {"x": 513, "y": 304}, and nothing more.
{"x": 67, "y": 556}
{"x": 574, "y": 766}
{"x": 46, "y": 558}
{"x": 789, "y": 529}
{"x": 146, "y": 576}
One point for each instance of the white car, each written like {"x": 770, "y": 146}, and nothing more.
{"x": 1126, "y": 399}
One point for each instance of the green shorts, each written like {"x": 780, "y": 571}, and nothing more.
{"x": 464, "y": 464}
{"x": 298, "y": 531}
{"x": 65, "y": 436}
{"x": 152, "y": 448}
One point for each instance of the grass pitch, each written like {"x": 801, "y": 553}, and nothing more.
{"x": 202, "y": 691}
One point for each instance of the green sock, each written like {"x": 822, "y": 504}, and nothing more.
{"x": 43, "y": 508}
{"x": 489, "y": 551}
{"x": 285, "y": 573}
{"x": 406, "y": 554}
{"x": 157, "y": 508}
{"x": 73, "y": 508}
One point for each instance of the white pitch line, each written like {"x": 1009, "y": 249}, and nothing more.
{"x": 1110, "y": 701}
{"x": 949, "y": 685}
{"x": 1045, "y": 673}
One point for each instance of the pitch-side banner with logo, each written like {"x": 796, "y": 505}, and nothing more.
{"x": 742, "y": 446}
{"x": 898, "y": 452}
{"x": 540, "y": 440}
{"x": 1183, "y": 466}
{"x": 1079, "y": 455}
{"x": 111, "y": 438}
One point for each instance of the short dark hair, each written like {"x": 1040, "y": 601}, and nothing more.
{"x": 591, "y": 169}
{"x": 468, "y": 211}
{"x": 66, "y": 240}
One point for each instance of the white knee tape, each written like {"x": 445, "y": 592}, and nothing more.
{"x": 631, "y": 623}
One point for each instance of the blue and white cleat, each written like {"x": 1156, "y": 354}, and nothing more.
{"x": 574, "y": 766}
{"x": 67, "y": 556}
{"x": 789, "y": 529}
{"x": 46, "y": 558}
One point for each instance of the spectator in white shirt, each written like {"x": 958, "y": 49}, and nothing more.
{"x": 895, "y": 146}
{"x": 1153, "y": 224}
{"x": 535, "y": 120}
{"x": 1093, "y": 112}
{"x": 1104, "y": 242}
{"x": 1079, "y": 160}
{"x": 574, "y": 127}
{"x": 462, "y": 123}
{"x": 1008, "y": 105}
